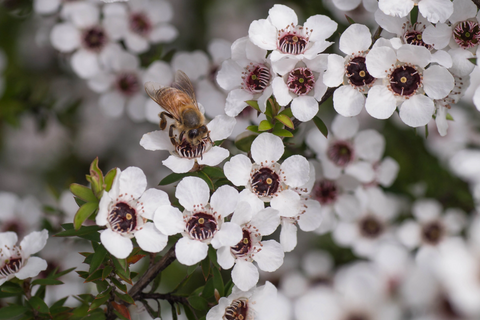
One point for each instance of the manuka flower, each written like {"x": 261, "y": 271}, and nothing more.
{"x": 434, "y": 10}
{"x": 201, "y": 223}
{"x": 266, "y": 178}
{"x": 125, "y": 210}
{"x": 182, "y": 159}
{"x": 15, "y": 261}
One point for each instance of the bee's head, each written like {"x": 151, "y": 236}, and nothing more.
{"x": 197, "y": 134}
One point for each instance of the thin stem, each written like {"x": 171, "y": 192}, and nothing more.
{"x": 162, "y": 296}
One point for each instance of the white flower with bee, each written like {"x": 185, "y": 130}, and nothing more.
{"x": 182, "y": 127}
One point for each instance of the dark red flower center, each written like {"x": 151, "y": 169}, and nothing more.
{"x": 94, "y": 38}
{"x": 256, "y": 78}
{"x": 357, "y": 73}
{"x": 123, "y": 218}
{"x": 140, "y": 23}
{"x": 202, "y": 226}
{"x": 467, "y": 34}
{"x": 340, "y": 153}
{"x": 300, "y": 81}
{"x": 265, "y": 182}
{"x": 325, "y": 191}
{"x": 405, "y": 80}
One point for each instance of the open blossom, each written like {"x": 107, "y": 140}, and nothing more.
{"x": 16, "y": 261}
{"x": 202, "y": 221}
{"x": 407, "y": 83}
{"x": 256, "y": 303}
{"x": 268, "y": 254}
{"x": 125, "y": 210}
{"x": 266, "y": 178}
{"x": 434, "y": 10}
{"x": 220, "y": 128}
{"x": 290, "y": 41}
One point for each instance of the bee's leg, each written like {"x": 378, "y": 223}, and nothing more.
{"x": 163, "y": 121}
{"x": 172, "y": 136}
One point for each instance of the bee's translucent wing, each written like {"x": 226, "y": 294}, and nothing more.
{"x": 183, "y": 83}
{"x": 167, "y": 97}
{"x": 153, "y": 90}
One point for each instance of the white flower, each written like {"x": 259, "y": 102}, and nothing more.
{"x": 220, "y": 128}
{"x": 255, "y": 304}
{"x": 247, "y": 76}
{"x": 347, "y": 150}
{"x": 202, "y": 221}
{"x": 268, "y": 254}
{"x": 19, "y": 215}
{"x": 15, "y": 261}
{"x": 266, "y": 178}
{"x": 289, "y": 41}
{"x": 125, "y": 210}
{"x": 302, "y": 85}
{"x": 434, "y": 10}
{"x": 349, "y": 5}
{"x": 405, "y": 83}
{"x": 351, "y": 71}
{"x": 84, "y": 35}
{"x": 140, "y": 22}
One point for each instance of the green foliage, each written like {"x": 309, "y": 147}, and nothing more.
{"x": 321, "y": 126}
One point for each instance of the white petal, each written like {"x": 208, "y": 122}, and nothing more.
{"x": 322, "y": 27}
{"x": 65, "y": 37}
{"x": 178, "y": 165}
{"x": 319, "y": 88}
{"x": 391, "y": 24}
{"x": 133, "y": 182}
{"x": 189, "y": 251}
{"x": 116, "y": 26}
{"x": 224, "y": 200}
{"x": 135, "y": 43}
{"x": 287, "y": 203}
{"x": 435, "y": 10}
{"x": 270, "y": 258}
{"x": 236, "y": 102}
{"x": 355, "y": 39}
{"x": 281, "y": 16}
{"x": 409, "y": 234}
{"x": 344, "y": 128}
{"x": 136, "y": 107}
{"x": 346, "y": 5}
{"x": 163, "y": 33}
{"x": 82, "y": 14}
{"x": 244, "y": 275}
{"x": 221, "y": 127}
{"x": 33, "y": 267}
{"x": 266, "y": 221}
{"x": 345, "y": 234}
{"x": 46, "y": 6}
{"x": 228, "y": 236}
{"x": 214, "y": 156}
{"x": 169, "y": 220}
{"x": 347, "y": 101}
{"x": 252, "y": 199}
{"x": 387, "y": 172}
{"x": 463, "y": 10}
{"x": 243, "y": 213}
{"x": 439, "y": 35}
{"x": 150, "y": 238}
{"x": 281, "y": 92}
{"x": 362, "y": 171}
{"x": 112, "y": 104}
{"x": 116, "y": 244}
{"x": 379, "y": 60}
{"x": 312, "y": 217}
{"x": 400, "y": 8}
{"x": 151, "y": 200}
{"x": 288, "y": 236}
{"x": 304, "y": 108}
{"x": 347, "y": 207}
{"x": 442, "y": 58}
{"x": 335, "y": 71}
{"x": 476, "y": 98}
{"x": 437, "y": 82}
{"x": 237, "y": 170}
{"x": 369, "y": 145}
{"x": 426, "y": 210}
{"x": 280, "y": 64}
{"x": 263, "y": 34}
{"x": 85, "y": 64}
{"x": 416, "y": 55}
{"x": 156, "y": 140}
{"x": 267, "y": 148}
{"x": 34, "y": 242}
{"x": 461, "y": 66}
{"x": 192, "y": 192}
{"x": 296, "y": 170}
{"x": 159, "y": 72}
{"x": 225, "y": 258}
{"x": 417, "y": 111}
{"x": 380, "y": 103}
{"x": 195, "y": 64}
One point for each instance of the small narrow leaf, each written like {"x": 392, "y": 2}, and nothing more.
{"x": 109, "y": 178}
{"x": 12, "y": 311}
{"x": 350, "y": 20}
{"x": 426, "y": 131}
{"x": 198, "y": 303}
{"x": 321, "y": 126}
{"x": 94, "y": 276}
{"x": 414, "y": 15}
{"x": 97, "y": 258}
{"x": 214, "y": 172}
{"x": 205, "y": 267}
{"x": 98, "y": 302}
{"x": 38, "y": 304}
{"x": 473, "y": 60}
{"x": 123, "y": 310}
{"x": 191, "y": 269}
{"x": 265, "y": 125}
{"x": 83, "y": 192}
{"x": 282, "y": 133}
{"x": 125, "y": 297}
{"x": 106, "y": 272}
{"x": 287, "y": 112}
{"x": 218, "y": 281}
{"x": 83, "y": 213}
{"x": 119, "y": 285}
{"x": 244, "y": 141}
{"x": 46, "y": 282}
{"x": 89, "y": 233}
{"x": 285, "y": 120}
{"x": 171, "y": 178}
{"x": 207, "y": 179}
{"x": 253, "y": 104}
{"x": 253, "y": 129}
{"x": 449, "y": 117}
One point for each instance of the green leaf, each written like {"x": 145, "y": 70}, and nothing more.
{"x": 94, "y": 276}
{"x": 83, "y": 192}
{"x": 449, "y": 117}
{"x": 125, "y": 297}
{"x": 109, "y": 178}
{"x": 83, "y": 213}
{"x": 253, "y": 104}
{"x": 214, "y": 172}
{"x": 119, "y": 285}
{"x": 11, "y": 287}
{"x": 79, "y": 201}
{"x": 321, "y": 126}
{"x": 173, "y": 177}
{"x": 350, "y": 20}
{"x": 198, "y": 303}
{"x": 189, "y": 313}
{"x": 106, "y": 272}
{"x": 98, "y": 302}
{"x": 426, "y": 131}
{"x": 287, "y": 112}
{"x": 244, "y": 141}
{"x": 212, "y": 255}
{"x": 59, "y": 303}
{"x": 58, "y": 275}
{"x": 285, "y": 120}
{"x": 253, "y": 129}
{"x": 218, "y": 281}
{"x": 268, "y": 110}
{"x": 46, "y": 282}
{"x": 102, "y": 285}
{"x": 282, "y": 133}
{"x": 228, "y": 288}
{"x": 207, "y": 179}
{"x": 38, "y": 304}
{"x": 97, "y": 257}
{"x": 414, "y": 15}
{"x": 265, "y": 125}
{"x": 208, "y": 289}
{"x": 205, "y": 267}
{"x": 473, "y": 60}
{"x": 191, "y": 269}
{"x": 96, "y": 178}
{"x": 89, "y": 233}
{"x": 12, "y": 311}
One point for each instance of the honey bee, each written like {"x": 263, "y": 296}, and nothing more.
{"x": 181, "y": 105}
